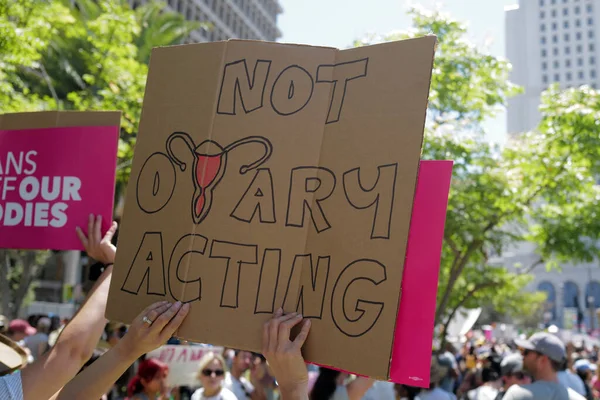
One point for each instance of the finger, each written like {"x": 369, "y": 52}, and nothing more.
{"x": 154, "y": 313}
{"x": 285, "y": 328}
{"x": 176, "y": 321}
{"x": 111, "y": 231}
{"x": 265, "y": 338}
{"x": 150, "y": 308}
{"x": 82, "y": 237}
{"x": 301, "y": 338}
{"x": 90, "y": 231}
{"x": 98, "y": 229}
{"x": 164, "y": 318}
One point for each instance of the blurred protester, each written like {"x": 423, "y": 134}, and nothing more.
{"x": 570, "y": 379}
{"x": 543, "y": 355}
{"x": 511, "y": 371}
{"x": 237, "y": 383}
{"x": 212, "y": 369}
{"x": 437, "y": 373}
{"x": 38, "y": 342}
{"x": 489, "y": 388}
{"x": 585, "y": 370}
{"x": 150, "y": 382}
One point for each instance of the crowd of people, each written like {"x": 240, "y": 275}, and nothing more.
{"x": 87, "y": 357}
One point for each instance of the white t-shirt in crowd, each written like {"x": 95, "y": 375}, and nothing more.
{"x": 224, "y": 394}
{"x": 11, "y": 387}
{"x": 483, "y": 392}
{"x": 241, "y": 388}
{"x": 542, "y": 390}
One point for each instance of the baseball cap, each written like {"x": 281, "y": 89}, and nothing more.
{"x": 511, "y": 364}
{"x": 584, "y": 365}
{"x": 546, "y": 344}
{"x": 21, "y": 326}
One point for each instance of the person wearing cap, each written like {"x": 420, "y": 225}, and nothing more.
{"x": 19, "y": 329}
{"x": 38, "y": 342}
{"x": 543, "y": 354}
{"x": 585, "y": 370}
{"x": 569, "y": 379}
{"x": 46, "y": 376}
{"x": 511, "y": 371}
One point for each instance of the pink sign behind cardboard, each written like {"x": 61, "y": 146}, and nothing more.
{"x": 413, "y": 338}
{"x": 51, "y": 180}
{"x": 411, "y": 356}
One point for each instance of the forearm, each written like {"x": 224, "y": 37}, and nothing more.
{"x": 73, "y": 348}
{"x": 98, "y": 378}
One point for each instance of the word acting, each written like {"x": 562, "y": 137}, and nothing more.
{"x": 32, "y": 199}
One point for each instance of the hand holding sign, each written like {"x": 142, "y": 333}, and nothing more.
{"x": 285, "y": 356}
{"x": 98, "y": 247}
{"x": 153, "y": 327}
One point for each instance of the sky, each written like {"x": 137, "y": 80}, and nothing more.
{"x": 338, "y": 23}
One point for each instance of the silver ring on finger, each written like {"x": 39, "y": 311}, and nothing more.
{"x": 147, "y": 320}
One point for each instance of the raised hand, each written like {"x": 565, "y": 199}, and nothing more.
{"x": 285, "y": 356}
{"x": 97, "y": 246}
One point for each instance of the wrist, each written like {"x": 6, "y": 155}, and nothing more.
{"x": 126, "y": 352}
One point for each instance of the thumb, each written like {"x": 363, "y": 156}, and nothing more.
{"x": 301, "y": 338}
{"x": 111, "y": 231}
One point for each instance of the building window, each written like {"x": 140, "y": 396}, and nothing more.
{"x": 578, "y": 35}
{"x": 543, "y": 27}
{"x": 589, "y": 8}
{"x": 556, "y": 78}
{"x": 545, "y": 79}
{"x": 569, "y": 76}
{"x": 555, "y": 51}
{"x": 594, "y": 85}
{"x": 593, "y": 75}
{"x": 579, "y": 48}
{"x": 554, "y": 13}
{"x": 565, "y": 11}
{"x": 554, "y": 39}
{"x": 554, "y": 26}
{"x": 580, "y": 74}
{"x": 591, "y": 34}
{"x": 541, "y": 3}
{"x": 580, "y": 61}
{"x": 592, "y": 60}
{"x": 555, "y": 64}
{"x": 553, "y": 1}
{"x": 591, "y": 46}
{"x": 567, "y": 50}
{"x": 568, "y": 63}
{"x": 543, "y": 40}
{"x": 577, "y": 10}
{"x": 590, "y": 21}
{"x": 567, "y": 37}
{"x": 566, "y": 24}
{"x": 577, "y": 22}
{"x": 544, "y": 65}
{"x": 543, "y": 52}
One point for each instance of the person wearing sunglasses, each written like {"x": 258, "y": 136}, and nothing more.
{"x": 212, "y": 369}
{"x": 543, "y": 354}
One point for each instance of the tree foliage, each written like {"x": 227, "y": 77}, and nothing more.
{"x": 540, "y": 188}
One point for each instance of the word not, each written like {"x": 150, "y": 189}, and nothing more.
{"x": 309, "y": 188}
{"x": 354, "y": 307}
{"x": 292, "y": 89}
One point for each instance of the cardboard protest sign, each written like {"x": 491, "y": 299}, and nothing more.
{"x": 56, "y": 168}
{"x": 183, "y": 362}
{"x": 270, "y": 175}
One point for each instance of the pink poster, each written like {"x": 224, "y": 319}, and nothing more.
{"x": 51, "y": 180}
{"x": 411, "y": 356}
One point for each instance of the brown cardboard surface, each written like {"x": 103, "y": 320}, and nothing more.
{"x": 309, "y": 158}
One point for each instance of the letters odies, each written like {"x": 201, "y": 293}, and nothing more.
{"x": 270, "y": 175}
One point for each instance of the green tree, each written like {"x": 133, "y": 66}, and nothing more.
{"x": 540, "y": 188}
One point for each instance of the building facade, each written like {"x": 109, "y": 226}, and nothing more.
{"x": 549, "y": 41}
{"x": 241, "y": 19}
